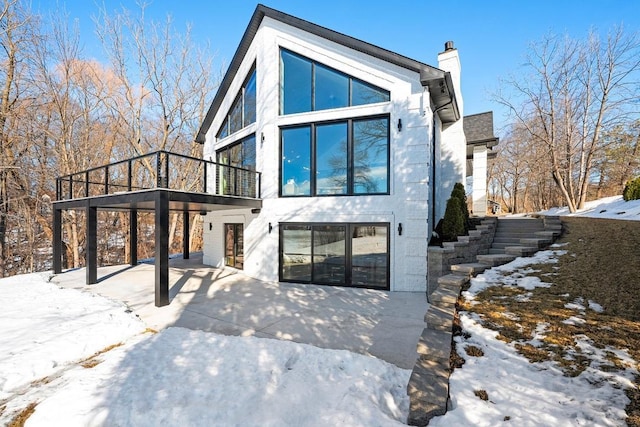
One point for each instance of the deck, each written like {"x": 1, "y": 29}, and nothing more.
{"x": 159, "y": 182}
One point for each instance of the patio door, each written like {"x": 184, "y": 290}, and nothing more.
{"x": 234, "y": 245}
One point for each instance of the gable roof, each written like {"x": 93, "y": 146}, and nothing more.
{"x": 443, "y": 97}
{"x": 478, "y": 129}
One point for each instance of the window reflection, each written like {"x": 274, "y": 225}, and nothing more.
{"x": 370, "y": 156}
{"x": 369, "y": 255}
{"x": 296, "y": 253}
{"x": 307, "y": 85}
{"x": 295, "y": 78}
{"x": 331, "y": 89}
{"x": 331, "y": 159}
{"x": 329, "y": 254}
{"x": 243, "y": 110}
{"x": 335, "y": 254}
{"x": 296, "y": 161}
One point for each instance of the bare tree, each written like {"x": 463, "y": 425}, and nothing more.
{"x": 574, "y": 92}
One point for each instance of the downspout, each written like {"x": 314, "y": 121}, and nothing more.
{"x": 433, "y": 176}
{"x": 433, "y": 162}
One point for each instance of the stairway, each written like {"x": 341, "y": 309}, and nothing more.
{"x": 513, "y": 237}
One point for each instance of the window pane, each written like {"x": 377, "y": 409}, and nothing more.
{"x": 247, "y": 178}
{"x": 224, "y": 129}
{"x": 235, "y": 116}
{"x": 370, "y": 156}
{"x": 369, "y": 255}
{"x": 296, "y": 253}
{"x": 296, "y": 161}
{"x": 295, "y": 81}
{"x": 250, "y": 100}
{"x": 363, "y": 93}
{"x": 249, "y": 153}
{"x": 331, "y": 89}
{"x": 331, "y": 159}
{"x": 329, "y": 254}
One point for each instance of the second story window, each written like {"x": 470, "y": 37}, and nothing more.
{"x": 243, "y": 111}
{"x": 339, "y": 158}
{"x": 307, "y": 85}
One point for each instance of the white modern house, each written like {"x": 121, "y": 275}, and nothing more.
{"x": 357, "y": 148}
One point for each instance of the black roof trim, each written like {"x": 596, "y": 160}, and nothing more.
{"x": 426, "y": 71}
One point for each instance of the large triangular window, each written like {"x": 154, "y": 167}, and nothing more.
{"x": 243, "y": 110}
{"x": 307, "y": 85}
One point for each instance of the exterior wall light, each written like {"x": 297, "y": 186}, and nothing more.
{"x": 399, "y": 125}
{"x": 270, "y": 228}
{"x": 400, "y": 229}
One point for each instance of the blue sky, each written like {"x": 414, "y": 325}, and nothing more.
{"x": 492, "y": 36}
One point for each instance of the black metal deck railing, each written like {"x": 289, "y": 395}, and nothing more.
{"x": 160, "y": 169}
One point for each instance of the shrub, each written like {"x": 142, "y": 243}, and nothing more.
{"x": 453, "y": 222}
{"x": 632, "y": 190}
{"x": 460, "y": 193}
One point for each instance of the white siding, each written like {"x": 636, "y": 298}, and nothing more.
{"x": 409, "y": 159}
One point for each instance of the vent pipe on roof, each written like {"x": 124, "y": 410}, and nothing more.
{"x": 448, "y": 46}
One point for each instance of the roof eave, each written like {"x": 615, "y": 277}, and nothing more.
{"x": 443, "y": 95}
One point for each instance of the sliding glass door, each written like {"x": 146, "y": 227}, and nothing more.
{"x": 335, "y": 254}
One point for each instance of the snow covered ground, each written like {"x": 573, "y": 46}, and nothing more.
{"x": 50, "y": 336}
{"x": 609, "y": 207}
{"x": 174, "y": 377}
{"x": 531, "y": 394}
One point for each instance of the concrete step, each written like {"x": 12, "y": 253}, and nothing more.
{"x": 469, "y": 269}
{"x": 453, "y": 280}
{"x": 536, "y": 242}
{"x": 517, "y": 228}
{"x": 520, "y": 250}
{"x": 502, "y": 245}
{"x": 494, "y": 251}
{"x": 493, "y": 260}
{"x": 508, "y": 240}
{"x": 518, "y": 233}
{"x": 547, "y": 234}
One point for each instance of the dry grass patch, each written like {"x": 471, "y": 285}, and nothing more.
{"x": 473, "y": 351}
{"x": 23, "y": 416}
{"x": 481, "y": 394}
{"x": 602, "y": 265}
{"x": 93, "y": 361}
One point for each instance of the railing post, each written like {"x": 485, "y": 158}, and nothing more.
{"x": 158, "y": 167}
{"x": 106, "y": 180}
{"x": 204, "y": 190}
{"x": 130, "y": 172}
{"x": 86, "y": 184}
{"x": 70, "y": 187}
{"x": 166, "y": 168}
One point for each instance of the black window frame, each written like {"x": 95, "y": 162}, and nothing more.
{"x": 315, "y": 63}
{"x": 350, "y": 157}
{"x": 239, "y": 174}
{"x": 349, "y": 228}
{"x": 240, "y": 97}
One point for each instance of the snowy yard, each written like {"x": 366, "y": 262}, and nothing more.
{"x": 76, "y": 359}
{"x": 176, "y": 376}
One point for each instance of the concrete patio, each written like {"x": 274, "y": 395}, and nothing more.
{"x": 383, "y": 324}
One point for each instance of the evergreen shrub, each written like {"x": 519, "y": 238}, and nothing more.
{"x": 632, "y": 190}
{"x": 453, "y": 222}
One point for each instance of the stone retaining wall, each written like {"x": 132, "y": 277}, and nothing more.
{"x": 440, "y": 259}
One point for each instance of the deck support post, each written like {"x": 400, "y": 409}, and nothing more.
{"x": 185, "y": 235}
{"x": 57, "y": 241}
{"x": 91, "y": 251}
{"x": 133, "y": 237}
{"x": 162, "y": 248}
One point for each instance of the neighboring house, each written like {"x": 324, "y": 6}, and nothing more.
{"x": 358, "y": 149}
{"x": 478, "y": 128}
